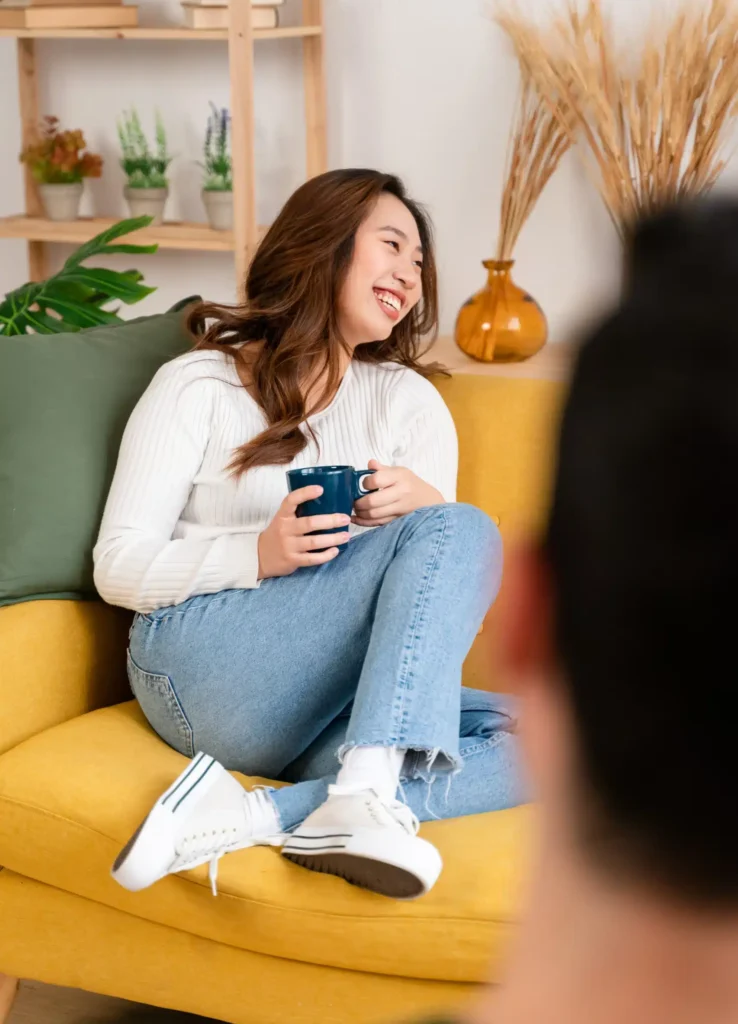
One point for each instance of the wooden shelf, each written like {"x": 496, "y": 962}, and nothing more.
{"x": 165, "y": 33}
{"x": 174, "y": 235}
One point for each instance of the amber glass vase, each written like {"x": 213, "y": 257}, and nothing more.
{"x": 501, "y": 323}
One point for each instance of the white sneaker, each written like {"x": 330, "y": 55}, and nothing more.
{"x": 368, "y": 842}
{"x": 204, "y": 814}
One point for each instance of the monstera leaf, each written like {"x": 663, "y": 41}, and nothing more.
{"x": 74, "y": 298}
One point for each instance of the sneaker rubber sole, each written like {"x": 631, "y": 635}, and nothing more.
{"x": 402, "y": 867}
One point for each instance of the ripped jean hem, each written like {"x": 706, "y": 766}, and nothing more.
{"x": 423, "y": 763}
{"x": 419, "y": 759}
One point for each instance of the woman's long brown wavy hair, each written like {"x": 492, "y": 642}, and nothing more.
{"x": 292, "y": 290}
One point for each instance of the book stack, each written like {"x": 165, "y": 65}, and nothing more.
{"x": 212, "y": 14}
{"x": 41, "y": 14}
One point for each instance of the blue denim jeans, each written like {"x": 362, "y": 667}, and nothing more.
{"x": 364, "y": 650}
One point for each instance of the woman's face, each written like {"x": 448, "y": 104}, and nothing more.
{"x": 383, "y": 282}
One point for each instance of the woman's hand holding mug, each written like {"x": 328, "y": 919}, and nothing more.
{"x": 396, "y": 492}
{"x": 284, "y": 545}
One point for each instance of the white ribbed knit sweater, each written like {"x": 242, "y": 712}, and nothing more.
{"x": 177, "y": 524}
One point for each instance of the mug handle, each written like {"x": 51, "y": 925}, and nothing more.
{"x": 359, "y": 474}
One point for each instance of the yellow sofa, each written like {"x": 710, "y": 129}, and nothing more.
{"x": 79, "y": 767}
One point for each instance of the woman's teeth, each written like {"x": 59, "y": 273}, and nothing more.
{"x": 388, "y": 299}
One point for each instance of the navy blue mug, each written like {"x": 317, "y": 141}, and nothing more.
{"x": 341, "y": 488}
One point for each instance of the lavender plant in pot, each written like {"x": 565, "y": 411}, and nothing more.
{"x": 147, "y": 186}
{"x": 217, "y": 189}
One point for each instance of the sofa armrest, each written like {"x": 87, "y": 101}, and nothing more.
{"x": 507, "y": 431}
{"x": 58, "y": 660}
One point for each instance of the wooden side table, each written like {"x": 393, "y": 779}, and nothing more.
{"x": 553, "y": 362}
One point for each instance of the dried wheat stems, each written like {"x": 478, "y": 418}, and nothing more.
{"x": 538, "y": 140}
{"x": 654, "y": 122}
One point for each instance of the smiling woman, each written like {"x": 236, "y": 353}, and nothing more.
{"x": 347, "y": 271}
{"x": 254, "y": 643}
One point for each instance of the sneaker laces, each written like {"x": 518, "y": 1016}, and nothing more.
{"x": 400, "y": 811}
{"x": 213, "y": 873}
{"x": 405, "y": 816}
{"x": 211, "y": 846}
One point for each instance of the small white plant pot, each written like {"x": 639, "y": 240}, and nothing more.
{"x": 147, "y": 202}
{"x": 61, "y": 202}
{"x": 219, "y": 207}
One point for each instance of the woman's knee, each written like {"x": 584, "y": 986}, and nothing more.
{"x": 469, "y": 521}
{"x": 475, "y": 523}
{"x": 472, "y": 539}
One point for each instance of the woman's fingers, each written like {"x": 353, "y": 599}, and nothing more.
{"x": 378, "y": 517}
{"x": 326, "y": 540}
{"x": 312, "y": 524}
{"x": 317, "y": 557}
{"x": 376, "y": 500}
{"x": 295, "y": 498}
{"x": 385, "y": 476}
{"x": 389, "y": 509}
{"x": 373, "y": 522}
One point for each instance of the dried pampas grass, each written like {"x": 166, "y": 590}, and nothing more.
{"x": 538, "y": 140}
{"x": 654, "y": 123}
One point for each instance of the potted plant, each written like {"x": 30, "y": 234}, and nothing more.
{"x": 217, "y": 189}
{"x": 147, "y": 186}
{"x": 59, "y": 164}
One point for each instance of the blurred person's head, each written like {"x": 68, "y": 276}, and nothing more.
{"x": 623, "y": 628}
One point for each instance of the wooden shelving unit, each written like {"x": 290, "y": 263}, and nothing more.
{"x": 167, "y": 32}
{"x": 241, "y": 38}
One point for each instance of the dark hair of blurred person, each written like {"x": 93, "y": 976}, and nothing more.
{"x": 621, "y": 639}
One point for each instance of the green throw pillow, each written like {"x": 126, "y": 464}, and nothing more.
{"x": 64, "y": 402}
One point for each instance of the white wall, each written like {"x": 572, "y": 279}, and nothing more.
{"x": 424, "y": 88}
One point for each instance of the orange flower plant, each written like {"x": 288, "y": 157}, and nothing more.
{"x": 57, "y": 158}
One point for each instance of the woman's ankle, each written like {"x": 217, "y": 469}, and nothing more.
{"x": 372, "y": 767}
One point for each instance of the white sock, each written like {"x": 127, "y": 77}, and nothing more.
{"x": 262, "y": 813}
{"x": 376, "y": 768}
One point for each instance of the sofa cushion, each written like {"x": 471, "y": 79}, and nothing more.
{"x": 71, "y": 797}
{"x": 64, "y": 402}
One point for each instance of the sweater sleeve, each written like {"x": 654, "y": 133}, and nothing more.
{"x": 426, "y": 434}
{"x": 137, "y": 562}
